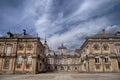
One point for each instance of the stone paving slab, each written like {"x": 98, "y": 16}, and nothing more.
{"x": 56, "y": 76}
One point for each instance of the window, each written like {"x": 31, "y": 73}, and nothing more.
{"x": 48, "y": 61}
{"x": 43, "y": 59}
{"x": 68, "y": 67}
{"x": 107, "y": 66}
{"x": 28, "y": 66}
{"x": 105, "y": 47}
{"x": 6, "y": 64}
{"x": 9, "y": 50}
{"x": 97, "y": 66}
{"x": 0, "y": 48}
{"x": 106, "y": 59}
{"x": 40, "y": 65}
{"x": 119, "y": 65}
{"x": 118, "y": 50}
{"x": 18, "y": 66}
{"x": 75, "y": 68}
{"x": 29, "y": 59}
{"x": 97, "y": 59}
{"x": 62, "y": 68}
{"x": 20, "y": 47}
{"x": 19, "y": 60}
{"x": 29, "y": 47}
{"x": 96, "y": 47}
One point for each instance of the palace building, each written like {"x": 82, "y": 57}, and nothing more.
{"x": 63, "y": 60}
{"x": 21, "y": 53}
{"x": 101, "y": 53}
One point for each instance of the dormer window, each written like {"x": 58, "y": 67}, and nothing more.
{"x": 96, "y": 47}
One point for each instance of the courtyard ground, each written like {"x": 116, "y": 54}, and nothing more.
{"x": 63, "y": 76}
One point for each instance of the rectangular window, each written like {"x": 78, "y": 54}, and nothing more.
{"x": 107, "y": 66}
{"x": 0, "y": 49}
{"x": 118, "y": 50}
{"x": 97, "y": 59}
{"x": 6, "y": 64}
{"x": 29, "y": 59}
{"x": 19, "y": 60}
{"x": 97, "y": 66}
{"x": 28, "y": 66}
{"x": 106, "y": 59}
{"x": 9, "y": 50}
{"x": 119, "y": 65}
{"x": 18, "y": 66}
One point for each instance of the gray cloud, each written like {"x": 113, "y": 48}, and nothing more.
{"x": 60, "y": 20}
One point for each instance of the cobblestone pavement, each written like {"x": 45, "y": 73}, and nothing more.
{"x": 63, "y": 76}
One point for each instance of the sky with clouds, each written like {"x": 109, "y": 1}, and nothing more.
{"x": 61, "y": 21}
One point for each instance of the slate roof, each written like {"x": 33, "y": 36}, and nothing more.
{"x": 17, "y": 35}
{"x": 109, "y": 35}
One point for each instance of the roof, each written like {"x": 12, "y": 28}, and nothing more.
{"x": 72, "y": 53}
{"x": 18, "y": 35}
{"x": 109, "y": 35}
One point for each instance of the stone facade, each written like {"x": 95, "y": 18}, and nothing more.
{"x": 21, "y": 53}
{"x": 101, "y": 53}
{"x": 63, "y": 60}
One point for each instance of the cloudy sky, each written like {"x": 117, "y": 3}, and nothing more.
{"x": 61, "y": 21}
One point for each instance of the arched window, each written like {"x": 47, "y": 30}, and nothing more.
{"x": 105, "y": 47}
{"x": 96, "y": 47}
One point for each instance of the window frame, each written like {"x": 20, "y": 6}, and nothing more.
{"x": 105, "y": 47}
{"x": 96, "y": 46}
{"x": 5, "y": 63}
{"x": 22, "y": 47}
{"x": 97, "y": 59}
{"x": 8, "y": 53}
{"x": 29, "y": 47}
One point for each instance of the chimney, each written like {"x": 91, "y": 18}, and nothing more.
{"x": 103, "y": 32}
{"x": 24, "y": 32}
{"x": 9, "y": 34}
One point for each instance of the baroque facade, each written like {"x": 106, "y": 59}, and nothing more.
{"x": 101, "y": 53}
{"x": 21, "y": 53}
{"x": 63, "y": 60}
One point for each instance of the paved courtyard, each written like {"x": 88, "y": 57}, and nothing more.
{"x": 63, "y": 76}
